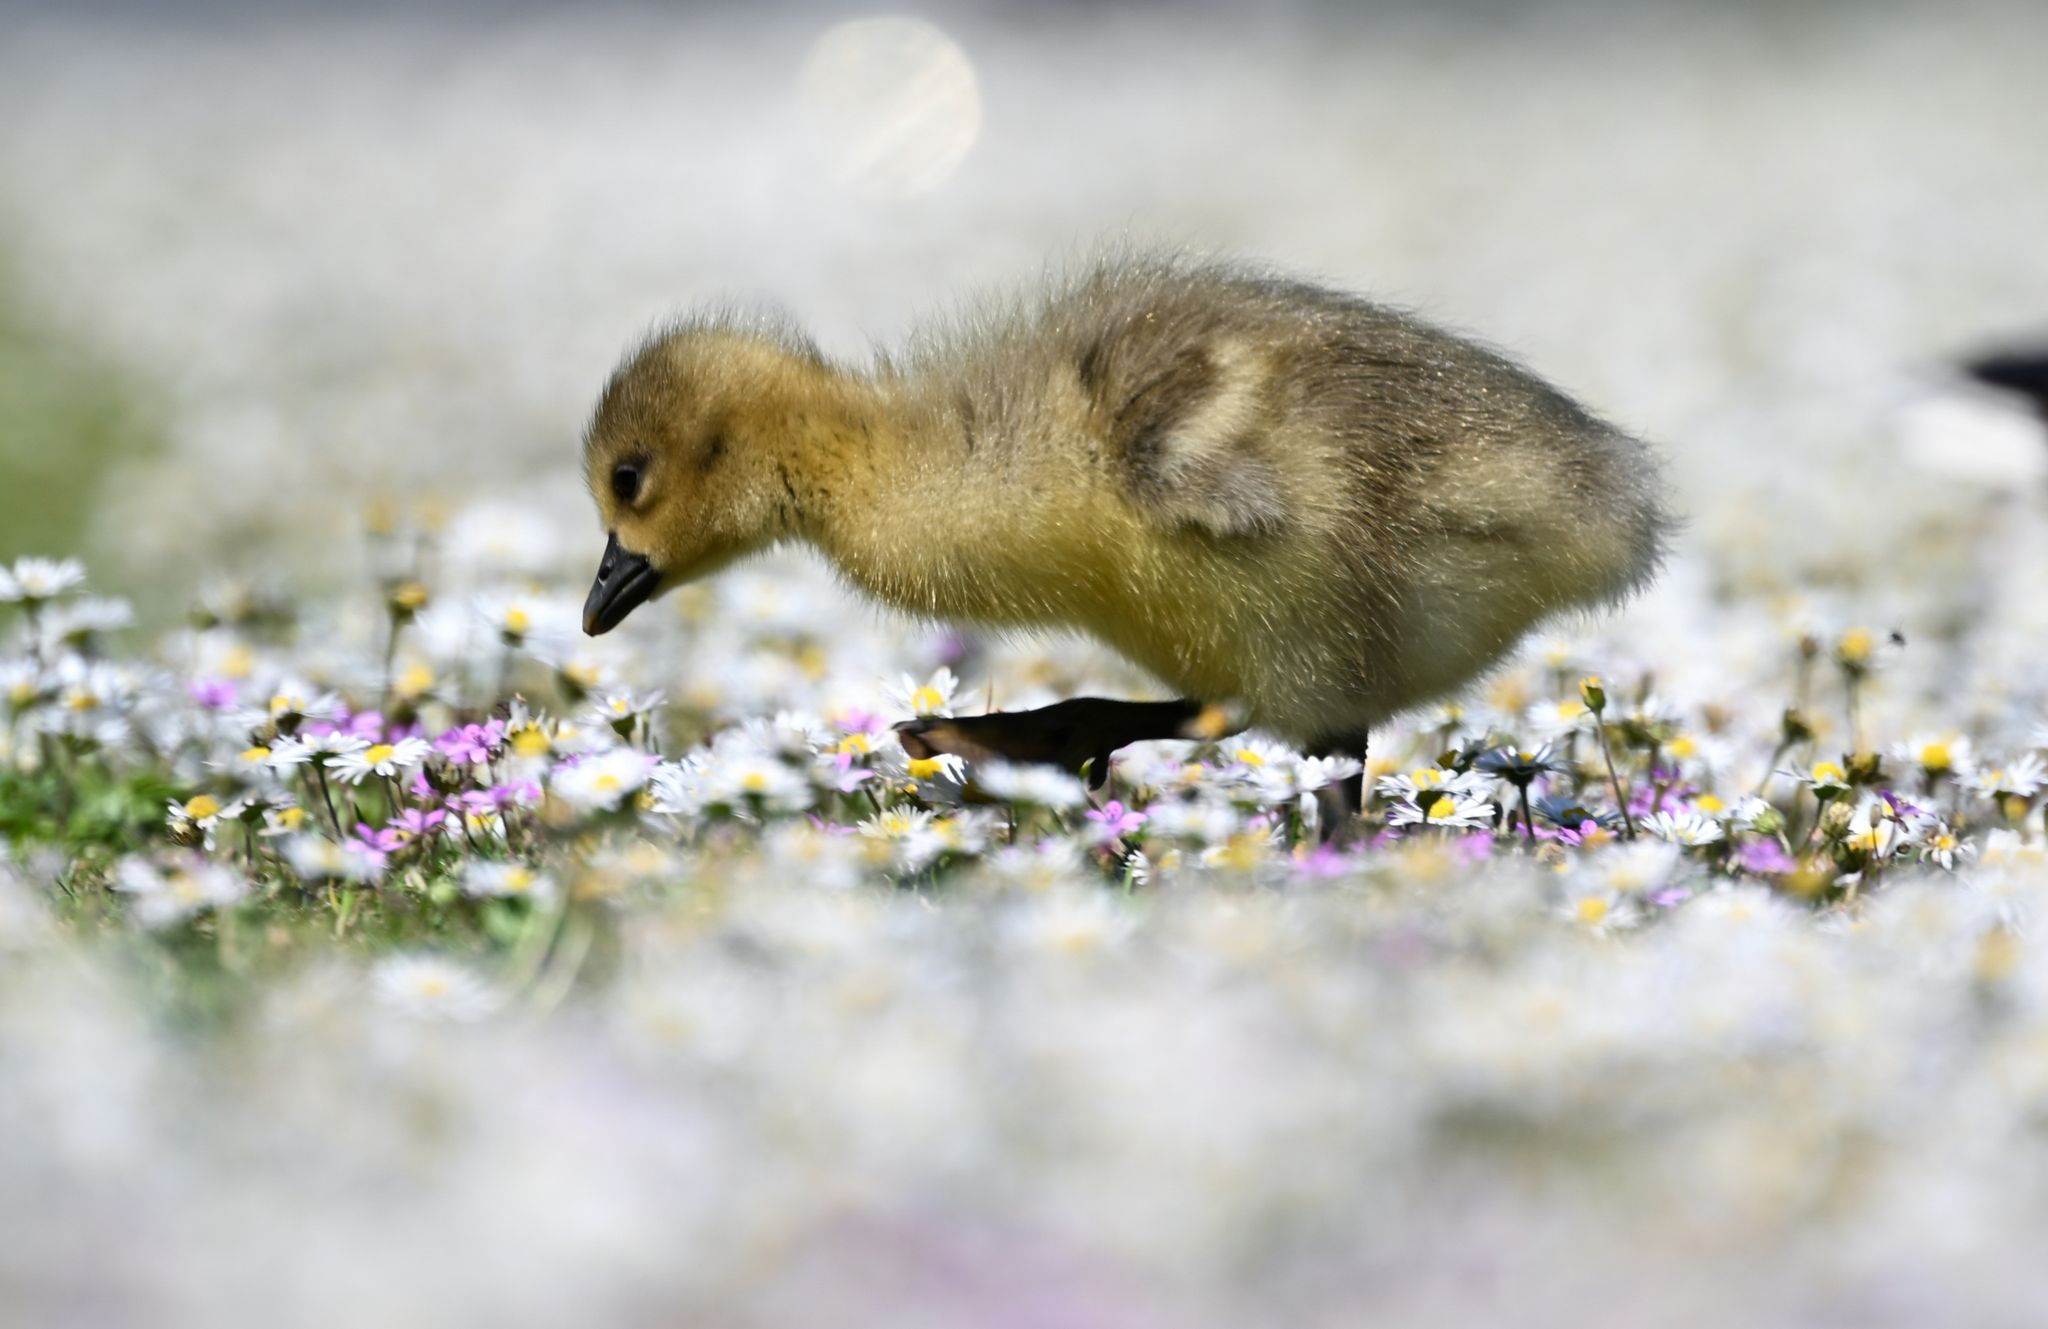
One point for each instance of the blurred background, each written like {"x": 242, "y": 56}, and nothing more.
{"x": 261, "y": 266}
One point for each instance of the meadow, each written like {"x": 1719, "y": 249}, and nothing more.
{"x": 377, "y": 948}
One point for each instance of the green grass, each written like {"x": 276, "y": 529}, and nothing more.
{"x": 67, "y": 415}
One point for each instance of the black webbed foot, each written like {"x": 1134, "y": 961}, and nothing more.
{"x": 1077, "y": 735}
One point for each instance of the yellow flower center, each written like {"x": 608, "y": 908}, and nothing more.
{"x": 1709, "y": 803}
{"x": 410, "y": 595}
{"x": 238, "y": 662}
{"x": 1443, "y": 809}
{"x": 22, "y": 693}
{"x": 1829, "y": 773}
{"x": 255, "y": 754}
{"x": 1426, "y": 777}
{"x": 291, "y": 818}
{"x": 379, "y": 753}
{"x": 205, "y": 805}
{"x": 582, "y": 673}
{"x": 925, "y": 768}
{"x": 1855, "y": 645}
{"x": 607, "y": 782}
{"x": 530, "y": 743}
{"x": 1250, "y": 758}
{"x": 754, "y": 782}
{"x": 415, "y": 680}
{"x": 1937, "y": 757}
{"x": 431, "y": 985}
{"x": 79, "y": 700}
{"x": 1682, "y": 747}
{"x": 926, "y": 700}
{"x": 518, "y": 881}
{"x": 1592, "y": 910}
{"x": 856, "y": 745}
{"x": 518, "y": 622}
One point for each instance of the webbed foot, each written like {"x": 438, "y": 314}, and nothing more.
{"x": 1077, "y": 735}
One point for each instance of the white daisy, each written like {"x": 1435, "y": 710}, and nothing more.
{"x": 934, "y": 696}
{"x": 2022, "y": 777}
{"x": 429, "y": 987}
{"x": 1458, "y": 811}
{"x": 165, "y": 896}
{"x": 600, "y": 783}
{"x": 1030, "y": 784}
{"x": 484, "y": 878}
{"x": 1935, "y": 754}
{"x": 381, "y": 759}
{"x": 34, "y": 580}
{"x": 1682, "y": 828}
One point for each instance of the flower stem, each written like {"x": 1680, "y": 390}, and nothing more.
{"x": 1614, "y": 780}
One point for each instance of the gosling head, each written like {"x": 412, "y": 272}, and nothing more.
{"x": 686, "y": 457}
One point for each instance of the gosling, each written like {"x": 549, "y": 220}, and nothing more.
{"x": 1297, "y": 508}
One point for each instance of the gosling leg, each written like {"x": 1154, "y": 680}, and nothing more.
{"x": 1344, "y": 802}
{"x": 1072, "y": 735}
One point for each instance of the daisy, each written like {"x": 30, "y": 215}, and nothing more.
{"x": 1553, "y": 720}
{"x": 1457, "y": 811}
{"x": 1207, "y": 819}
{"x": 162, "y": 897}
{"x": 428, "y": 987}
{"x": 1431, "y": 780}
{"x": 754, "y": 781}
{"x": 623, "y": 709}
{"x": 33, "y": 580}
{"x": 199, "y": 815}
{"x": 380, "y": 759}
{"x": 1683, "y": 828}
{"x": 1600, "y": 909}
{"x": 1936, "y": 843}
{"x": 1519, "y": 766}
{"x": 293, "y": 702}
{"x": 483, "y": 878}
{"x": 934, "y": 696}
{"x": 1031, "y": 785}
{"x": 1935, "y": 754}
{"x": 22, "y": 685}
{"x": 2020, "y": 778}
{"x": 602, "y": 782}
{"x": 1825, "y": 778}
{"x": 1871, "y": 833}
{"x": 318, "y": 858}
{"x": 74, "y": 625}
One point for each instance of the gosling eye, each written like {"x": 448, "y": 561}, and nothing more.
{"x": 626, "y": 481}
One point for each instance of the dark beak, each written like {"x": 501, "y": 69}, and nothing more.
{"x": 623, "y": 582}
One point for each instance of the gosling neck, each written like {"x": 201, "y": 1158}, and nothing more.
{"x": 875, "y": 478}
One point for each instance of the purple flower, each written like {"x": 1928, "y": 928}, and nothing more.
{"x": 519, "y": 793}
{"x": 215, "y": 694}
{"x": 471, "y": 744}
{"x": 1763, "y": 856}
{"x": 1116, "y": 820}
{"x": 414, "y": 823}
{"x": 379, "y": 845}
{"x": 858, "y": 722}
{"x": 1325, "y": 860}
{"x": 1901, "y": 809}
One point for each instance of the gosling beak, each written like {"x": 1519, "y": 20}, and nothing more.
{"x": 623, "y": 582}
